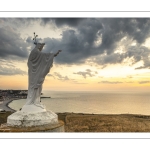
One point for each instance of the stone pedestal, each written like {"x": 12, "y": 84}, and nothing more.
{"x": 28, "y": 119}
{"x": 33, "y": 119}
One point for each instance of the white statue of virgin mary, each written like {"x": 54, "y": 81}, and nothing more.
{"x": 33, "y": 113}
{"x": 39, "y": 65}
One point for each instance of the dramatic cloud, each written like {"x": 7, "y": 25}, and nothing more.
{"x": 82, "y": 39}
{"x": 19, "y": 22}
{"x": 11, "y": 71}
{"x": 136, "y": 28}
{"x": 85, "y": 73}
{"x": 95, "y": 36}
{"x": 134, "y": 54}
{"x": 11, "y": 44}
{"x": 62, "y": 21}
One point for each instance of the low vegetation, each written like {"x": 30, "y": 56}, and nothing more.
{"x": 105, "y": 123}
{"x": 99, "y": 123}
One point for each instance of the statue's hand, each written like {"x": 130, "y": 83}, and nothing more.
{"x": 57, "y": 53}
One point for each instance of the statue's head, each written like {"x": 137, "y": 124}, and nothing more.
{"x": 40, "y": 46}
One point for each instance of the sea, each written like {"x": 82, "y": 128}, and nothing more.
{"x": 88, "y": 102}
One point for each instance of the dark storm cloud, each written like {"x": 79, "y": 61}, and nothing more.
{"x": 11, "y": 71}
{"x": 139, "y": 53}
{"x": 136, "y": 28}
{"x": 84, "y": 38}
{"x": 19, "y": 22}
{"x": 135, "y": 53}
{"x": 78, "y": 44}
{"x": 11, "y": 44}
{"x": 113, "y": 58}
{"x": 96, "y": 36}
{"x": 62, "y": 21}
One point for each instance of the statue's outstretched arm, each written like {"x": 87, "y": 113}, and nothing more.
{"x": 57, "y": 53}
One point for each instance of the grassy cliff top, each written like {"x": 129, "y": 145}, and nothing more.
{"x": 77, "y": 122}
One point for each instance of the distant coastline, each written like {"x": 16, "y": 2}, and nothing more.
{"x": 5, "y": 104}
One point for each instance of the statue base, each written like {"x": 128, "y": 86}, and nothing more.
{"x": 59, "y": 127}
{"x": 36, "y": 119}
{"x": 28, "y": 119}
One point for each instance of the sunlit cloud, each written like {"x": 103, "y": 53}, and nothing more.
{"x": 109, "y": 82}
{"x": 144, "y": 82}
{"x": 60, "y": 77}
{"x": 11, "y": 71}
{"x": 86, "y": 73}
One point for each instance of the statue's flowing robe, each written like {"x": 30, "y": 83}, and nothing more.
{"x": 39, "y": 65}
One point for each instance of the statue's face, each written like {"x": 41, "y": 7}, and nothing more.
{"x": 40, "y": 46}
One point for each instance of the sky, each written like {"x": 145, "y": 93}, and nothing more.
{"x": 98, "y": 54}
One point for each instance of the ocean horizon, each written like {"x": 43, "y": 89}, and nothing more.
{"x": 90, "y": 102}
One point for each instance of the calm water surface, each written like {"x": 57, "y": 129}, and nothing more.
{"x": 94, "y": 102}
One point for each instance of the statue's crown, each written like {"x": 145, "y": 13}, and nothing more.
{"x": 35, "y": 42}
